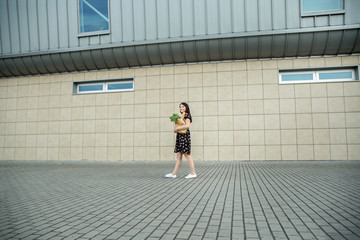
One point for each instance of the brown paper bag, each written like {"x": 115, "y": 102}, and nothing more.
{"x": 178, "y": 123}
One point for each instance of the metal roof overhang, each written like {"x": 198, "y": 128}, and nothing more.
{"x": 257, "y": 45}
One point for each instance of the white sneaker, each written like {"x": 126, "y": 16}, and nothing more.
{"x": 170, "y": 175}
{"x": 191, "y": 176}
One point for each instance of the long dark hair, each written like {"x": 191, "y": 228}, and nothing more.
{"x": 187, "y": 109}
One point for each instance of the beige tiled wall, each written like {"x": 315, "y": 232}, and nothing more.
{"x": 239, "y": 110}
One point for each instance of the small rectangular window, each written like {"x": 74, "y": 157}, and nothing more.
{"x": 297, "y": 76}
{"x": 94, "y": 16}
{"x": 318, "y": 75}
{"x": 120, "y": 86}
{"x": 104, "y": 86}
{"x": 90, "y": 88}
{"x": 320, "y": 7}
{"x": 338, "y": 75}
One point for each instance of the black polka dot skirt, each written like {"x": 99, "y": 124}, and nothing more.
{"x": 183, "y": 143}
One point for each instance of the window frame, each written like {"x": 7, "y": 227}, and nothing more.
{"x": 316, "y": 72}
{"x": 94, "y": 33}
{"x": 105, "y": 83}
{"x": 322, "y": 12}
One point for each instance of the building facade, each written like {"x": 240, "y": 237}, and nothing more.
{"x": 98, "y": 80}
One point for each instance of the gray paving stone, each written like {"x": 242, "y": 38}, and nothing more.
{"x": 270, "y": 200}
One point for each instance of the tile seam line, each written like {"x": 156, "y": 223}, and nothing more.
{"x": 307, "y": 204}
{"x": 167, "y": 207}
{"x": 224, "y": 169}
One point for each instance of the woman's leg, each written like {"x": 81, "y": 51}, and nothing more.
{"x": 190, "y": 162}
{"x": 178, "y": 163}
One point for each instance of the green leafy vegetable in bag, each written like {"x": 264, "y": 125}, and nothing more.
{"x": 174, "y": 117}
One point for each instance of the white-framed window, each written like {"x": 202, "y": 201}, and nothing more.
{"x": 93, "y": 17}
{"x": 321, "y": 7}
{"x": 119, "y": 85}
{"x": 318, "y": 75}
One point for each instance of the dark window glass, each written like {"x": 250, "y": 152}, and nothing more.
{"x": 89, "y": 88}
{"x": 119, "y": 86}
{"x": 321, "y": 5}
{"x": 94, "y": 15}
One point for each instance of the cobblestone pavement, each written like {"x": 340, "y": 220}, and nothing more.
{"x": 228, "y": 200}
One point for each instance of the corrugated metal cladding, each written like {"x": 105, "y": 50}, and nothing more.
{"x": 41, "y": 36}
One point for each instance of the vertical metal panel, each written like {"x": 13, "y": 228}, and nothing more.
{"x": 227, "y": 49}
{"x": 39, "y": 64}
{"x": 307, "y": 22}
{"x": 116, "y": 21}
{"x": 20, "y": 66}
{"x": 139, "y": 20}
{"x": 72, "y": 21}
{"x": 305, "y": 45}
{"x": 98, "y": 59}
{"x": 265, "y": 48}
{"x": 53, "y": 24}
{"x": 293, "y": 14}
{"x": 265, "y": 15}
{"x": 212, "y": 17}
{"x": 240, "y": 48}
{"x": 321, "y": 21}
{"x": 336, "y": 20}
{"x": 292, "y": 43}
{"x": 238, "y": 13}
{"x": 68, "y": 62}
{"x": 348, "y": 41}
{"x": 104, "y": 39}
{"x": 84, "y": 41}
{"x": 214, "y": 50}
{"x": 109, "y": 58}
{"x": 202, "y": 49}
{"x": 11, "y": 66}
{"x": 58, "y": 63}
{"x": 357, "y": 42}
{"x": 252, "y": 14}
{"x": 23, "y": 26}
{"x": 175, "y": 18}
{"x": 88, "y": 60}
{"x": 46, "y": 59}
{"x": 225, "y": 16}
{"x": 120, "y": 58}
{"x": 14, "y": 26}
{"x": 33, "y": 25}
{"x": 333, "y": 44}
{"x": 131, "y": 57}
{"x": 29, "y": 65}
{"x": 4, "y": 28}
{"x": 177, "y": 52}
{"x": 279, "y": 14}
{"x": 200, "y": 17}
{"x": 189, "y": 51}
{"x": 4, "y": 70}
{"x": 63, "y": 24}
{"x": 78, "y": 61}
{"x": 278, "y": 46}
{"x": 94, "y": 40}
{"x": 187, "y": 17}
{"x": 127, "y": 21}
{"x": 150, "y": 19}
{"x": 252, "y": 47}
{"x": 43, "y": 25}
{"x": 165, "y": 53}
{"x": 352, "y": 15}
{"x": 163, "y": 19}
{"x": 142, "y": 56}
{"x": 153, "y": 51}
{"x": 319, "y": 45}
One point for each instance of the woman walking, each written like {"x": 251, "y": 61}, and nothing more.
{"x": 183, "y": 144}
